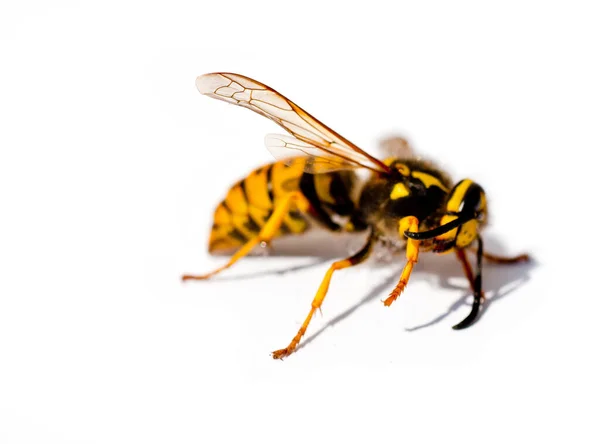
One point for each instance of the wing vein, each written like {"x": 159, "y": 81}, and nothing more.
{"x": 328, "y": 150}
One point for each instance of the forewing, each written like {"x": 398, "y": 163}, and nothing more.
{"x": 243, "y": 91}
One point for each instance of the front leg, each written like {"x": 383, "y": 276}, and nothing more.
{"x": 410, "y": 224}
{"x": 475, "y": 282}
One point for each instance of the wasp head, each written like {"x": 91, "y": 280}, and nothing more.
{"x": 465, "y": 213}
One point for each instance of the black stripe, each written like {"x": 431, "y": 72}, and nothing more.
{"x": 237, "y": 234}
{"x": 251, "y": 224}
{"x": 442, "y": 229}
{"x": 270, "y": 183}
{"x": 224, "y": 204}
{"x": 296, "y": 215}
{"x": 242, "y": 185}
{"x": 358, "y": 221}
{"x": 472, "y": 197}
{"x": 308, "y": 189}
{"x": 284, "y": 228}
{"x": 339, "y": 192}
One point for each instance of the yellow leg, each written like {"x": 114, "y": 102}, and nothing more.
{"x": 267, "y": 232}
{"x": 409, "y": 223}
{"x": 359, "y": 257}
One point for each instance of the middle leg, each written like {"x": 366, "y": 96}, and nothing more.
{"x": 506, "y": 260}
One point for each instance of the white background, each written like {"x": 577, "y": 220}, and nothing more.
{"x": 112, "y": 163}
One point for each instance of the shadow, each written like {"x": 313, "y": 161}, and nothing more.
{"x": 499, "y": 281}
{"x": 319, "y": 245}
{"x": 387, "y": 283}
{"x": 315, "y": 243}
{"x": 280, "y": 272}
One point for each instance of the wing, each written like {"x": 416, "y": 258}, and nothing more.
{"x": 329, "y": 150}
{"x": 287, "y": 148}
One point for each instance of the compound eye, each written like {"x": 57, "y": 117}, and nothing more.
{"x": 472, "y": 200}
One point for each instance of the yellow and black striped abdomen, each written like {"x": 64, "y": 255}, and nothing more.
{"x": 250, "y": 202}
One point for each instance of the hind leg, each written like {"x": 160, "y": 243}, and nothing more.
{"x": 356, "y": 259}
{"x": 506, "y": 260}
{"x": 266, "y": 234}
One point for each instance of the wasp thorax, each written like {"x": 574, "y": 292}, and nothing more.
{"x": 414, "y": 188}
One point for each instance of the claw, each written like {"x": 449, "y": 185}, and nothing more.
{"x": 470, "y": 319}
{"x": 389, "y": 300}
{"x": 189, "y": 277}
{"x": 283, "y": 353}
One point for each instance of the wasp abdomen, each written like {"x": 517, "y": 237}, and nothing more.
{"x": 250, "y": 202}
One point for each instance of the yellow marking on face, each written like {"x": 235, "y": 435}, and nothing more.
{"x": 468, "y": 231}
{"x": 429, "y": 180}
{"x": 450, "y": 234}
{"x": 399, "y": 191}
{"x": 467, "y": 234}
{"x": 458, "y": 195}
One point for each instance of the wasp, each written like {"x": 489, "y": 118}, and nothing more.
{"x": 315, "y": 183}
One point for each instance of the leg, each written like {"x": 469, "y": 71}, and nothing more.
{"x": 460, "y": 254}
{"x": 506, "y": 260}
{"x": 411, "y": 224}
{"x": 475, "y": 285}
{"x": 267, "y": 232}
{"x": 359, "y": 257}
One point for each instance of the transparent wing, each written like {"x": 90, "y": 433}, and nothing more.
{"x": 288, "y": 148}
{"x": 307, "y": 131}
